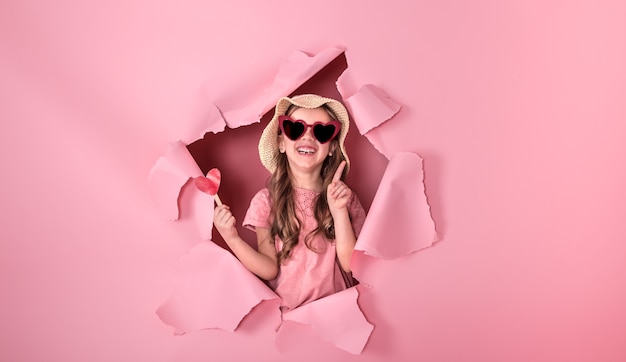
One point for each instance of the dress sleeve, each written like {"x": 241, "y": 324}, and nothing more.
{"x": 258, "y": 213}
{"x": 357, "y": 214}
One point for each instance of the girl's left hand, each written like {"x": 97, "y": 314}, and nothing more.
{"x": 338, "y": 192}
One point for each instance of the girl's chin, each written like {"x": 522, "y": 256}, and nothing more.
{"x": 306, "y": 163}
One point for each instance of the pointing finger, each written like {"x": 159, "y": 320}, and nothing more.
{"x": 339, "y": 171}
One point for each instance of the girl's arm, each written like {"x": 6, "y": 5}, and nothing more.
{"x": 339, "y": 195}
{"x": 262, "y": 262}
{"x": 344, "y": 239}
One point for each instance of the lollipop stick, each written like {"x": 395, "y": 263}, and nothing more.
{"x": 217, "y": 200}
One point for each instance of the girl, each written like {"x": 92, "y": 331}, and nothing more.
{"x": 307, "y": 219}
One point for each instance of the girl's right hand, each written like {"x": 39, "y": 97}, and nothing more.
{"x": 224, "y": 222}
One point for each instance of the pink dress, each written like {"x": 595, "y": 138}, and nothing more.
{"x": 307, "y": 275}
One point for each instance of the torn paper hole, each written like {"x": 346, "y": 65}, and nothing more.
{"x": 204, "y": 298}
{"x": 234, "y": 152}
{"x": 210, "y": 121}
{"x": 168, "y": 176}
{"x": 410, "y": 225}
{"x": 371, "y": 106}
{"x": 336, "y": 318}
{"x": 294, "y": 71}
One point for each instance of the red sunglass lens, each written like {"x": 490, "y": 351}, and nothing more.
{"x": 324, "y": 133}
{"x": 293, "y": 130}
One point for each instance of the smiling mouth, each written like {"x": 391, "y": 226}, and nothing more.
{"x": 306, "y": 151}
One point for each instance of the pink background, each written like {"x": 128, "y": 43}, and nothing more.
{"x": 517, "y": 108}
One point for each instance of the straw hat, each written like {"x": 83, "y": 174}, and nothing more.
{"x": 268, "y": 144}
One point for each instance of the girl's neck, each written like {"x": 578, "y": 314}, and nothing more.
{"x": 306, "y": 181}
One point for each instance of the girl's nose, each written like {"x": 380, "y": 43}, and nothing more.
{"x": 308, "y": 134}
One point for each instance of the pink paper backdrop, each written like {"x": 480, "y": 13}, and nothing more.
{"x": 518, "y": 109}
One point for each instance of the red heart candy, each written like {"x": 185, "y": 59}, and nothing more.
{"x": 209, "y": 184}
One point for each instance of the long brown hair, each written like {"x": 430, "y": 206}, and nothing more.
{"x": 285, "y": 222}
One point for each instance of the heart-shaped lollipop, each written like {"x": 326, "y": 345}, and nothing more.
{"x": 210, "y": 184}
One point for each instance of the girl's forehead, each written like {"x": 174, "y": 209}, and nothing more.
{"x": 311, "y": 115}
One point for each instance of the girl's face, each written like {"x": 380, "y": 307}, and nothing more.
{"x": 306, "y": 154}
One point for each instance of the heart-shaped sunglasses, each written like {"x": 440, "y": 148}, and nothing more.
{"x": 295, "y": 128}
